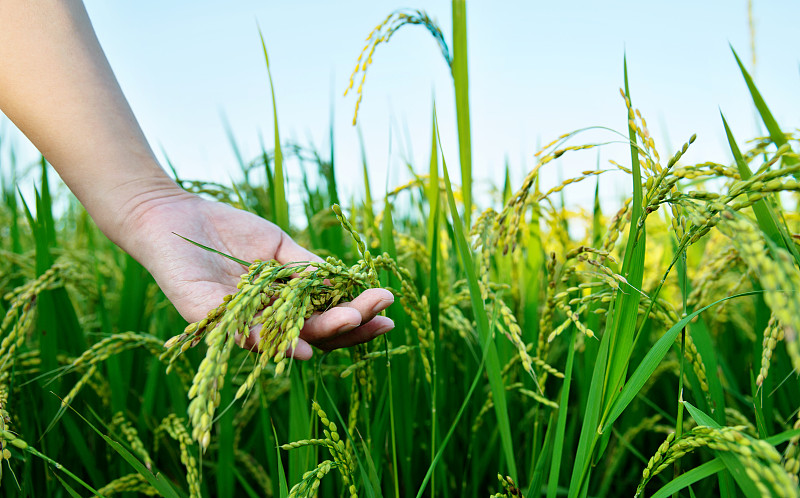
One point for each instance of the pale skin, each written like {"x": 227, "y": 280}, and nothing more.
{"x": 58, "y": 88}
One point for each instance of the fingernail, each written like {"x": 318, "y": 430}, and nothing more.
{"x": 385, "y": 328}
{"x": 382, "y": 305}
{"x": 347, "y": 327}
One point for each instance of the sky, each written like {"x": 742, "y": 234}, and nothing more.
{"x": 537, "y": 70}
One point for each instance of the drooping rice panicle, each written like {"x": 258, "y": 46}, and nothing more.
{"x": 256, "y": 470}
{"x": 382, "y": 33}
{"x": 342, "y": 458}
{"x": 760, "y": 459}
{"x": 130, "y": 483}
{"x": 773, "y": 334}
{"x": 696, "y": 360}
{"x": 175, "y": 428}
{"x": 123, "y": 426}
{"x": 791, "y": 455}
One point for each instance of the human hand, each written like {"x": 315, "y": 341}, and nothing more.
{"x": 196, "y": 280}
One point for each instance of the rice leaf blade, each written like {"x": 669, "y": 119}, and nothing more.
{"x": 563, "y": 408}
{"x": 281, "y": 204}
{"x": 765, "y": 214}
{"x": 460, "y": 72}
{"x": 771, "y": 124}
{"x": 479, "y": 310}
{"x": 651, "y": 361}
{"x": 732, "y": 463}
{"x": 690, "y": 477}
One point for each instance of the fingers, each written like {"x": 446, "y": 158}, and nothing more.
{"x": 370, "y": 330}
{"x": 347, "y": 316}
{"x": 302, "y": 352}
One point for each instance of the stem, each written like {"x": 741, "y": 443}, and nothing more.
{"x": 679, "y": 422}
{"x": 391, "y": 419}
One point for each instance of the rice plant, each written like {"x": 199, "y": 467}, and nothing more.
{"x": 649, "y": 351}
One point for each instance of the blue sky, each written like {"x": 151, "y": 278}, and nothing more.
{"x": 537, "y": 70}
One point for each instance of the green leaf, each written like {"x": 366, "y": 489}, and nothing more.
{"x": 651, "y": 361}
{"x": 72, "y": 492}
{"x": 281, "y": 204}
{"x": 479, "y": 310}
{"x": 774, "y": 130}
{"x": 487, "y": 344}
{"x": 461, "y": 84}
{"x": 766, "y": 216}
{"x": 563, "y": 409}
{"x": 690, "y": 477}
{"x": 284, "y": 488}
{"x": 732, "y": 462}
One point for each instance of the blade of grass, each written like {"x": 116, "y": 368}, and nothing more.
{"x": 234, "y": 146}
{"x": 479, "y": 310}
{"x": 774, "y": 130}
{"x": 563, "y": 408}
{"x": 283, "y": 487}
{"x": 765, "y": 215}
{"x": 299, "y": 423}
{"x": 460, "y": 72}
{"x": 627, "y": 304}
{"x": 487, "y": 343}
{"x": 72, "y": 492}
{"x": 237, "y": 260}
{"x": 782, "y": 437}
{"x": 252, "y": 493}
{"x": 161, "y": 485}
{"x": 369, "y": 215}
{"x": 732, "y": 462}
{"x": 433, "y": 287}
{"x": 60, "y": 467}
{"x": 690, "y": 477}
{"x": 537, "y": 479}
{"x": 281, "y": 205}
{"x": 225, "y": 453}
{"x": 651, "y": 361}
{"x": 616, "y": 343}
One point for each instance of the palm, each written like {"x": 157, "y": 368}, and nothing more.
{"x": 196, "y": 280}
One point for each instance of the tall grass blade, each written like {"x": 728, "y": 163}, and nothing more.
{"x": 479, "y": 310}
{"x": 774, "y": 130}
{"x": 461, "y": 83}
{"x": 651, "y": 361}
{"x": 627, "y": 301}
{"x": 300, "y": 459}
{"x": 72, "y": 492}
{"x": 283, "y": 486}
{"x": 617, "y": 341}
{"x": 732, "y": 462}
{"x": 225, "y": 453}
{"x": 690, "y": 477}
{"x": 281, "y": 204}
{"x": 563, "y": 408}
{"x": 487, "y": 344}
{"x": 766, "y": 216}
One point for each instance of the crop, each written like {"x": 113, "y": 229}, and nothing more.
{"x": 538, "y": 350}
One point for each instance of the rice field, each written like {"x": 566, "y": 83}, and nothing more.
{"x": 648, "y": 350}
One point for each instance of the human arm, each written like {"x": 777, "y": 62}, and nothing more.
{"x": 58, "y": 88}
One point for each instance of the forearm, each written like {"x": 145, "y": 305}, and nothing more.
{"x": 58, "y": 88}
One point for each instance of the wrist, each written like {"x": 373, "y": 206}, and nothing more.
{"x": 122, "y": 212}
